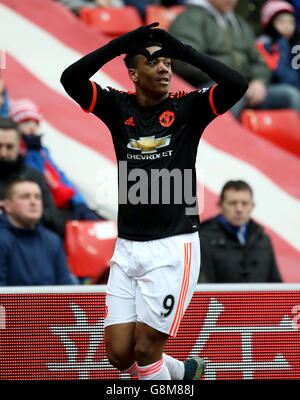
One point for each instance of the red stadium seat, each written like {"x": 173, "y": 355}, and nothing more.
{"x": 163, "y": 15}
{"x": 111, "y": 21}
{"x": 89, "y": 247}
{"x": 281, "y": 127}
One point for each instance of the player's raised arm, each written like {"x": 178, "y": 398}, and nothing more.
{"x": 231, "y": 84}
{"x": 75, "y": 78}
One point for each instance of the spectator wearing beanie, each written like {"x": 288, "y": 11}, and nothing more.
{"x": 280, "y": 35}
{"x": 215, "y": 28}
{"x": 65, "y": 194}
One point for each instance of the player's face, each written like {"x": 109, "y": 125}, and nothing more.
{"x": 237, "y": 206}
{"x": 25, "y": 205}
{"x": 153, "y": 77}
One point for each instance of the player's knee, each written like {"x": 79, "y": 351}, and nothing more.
{"x": 143, "y": 352}
{"x": 146, "y": 350}
{"x": 119, "y": 357}
{"x": 149, "y": 344}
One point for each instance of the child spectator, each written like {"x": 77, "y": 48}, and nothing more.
{"x": 213, "y": 27}
{"x": 280, "y": 35}
{"x": 65, "y": 194}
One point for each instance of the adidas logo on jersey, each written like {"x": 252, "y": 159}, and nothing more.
{"x": 129, "y": 121}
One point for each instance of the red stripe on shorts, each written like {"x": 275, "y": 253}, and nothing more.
{"x": 184, "y": 289}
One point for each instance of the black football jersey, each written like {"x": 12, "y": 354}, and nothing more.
{"x": 156, "y": 149}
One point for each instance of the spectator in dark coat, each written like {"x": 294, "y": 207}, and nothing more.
{"x": 12, "y": 165}
{"x": 234, "y": 248}
{"x": 30, "y": 254}
{"x": 250, "y": 11}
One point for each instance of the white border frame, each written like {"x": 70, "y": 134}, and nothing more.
{"x": 220, "y": 287}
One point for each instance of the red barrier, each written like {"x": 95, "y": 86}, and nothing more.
{"x": 112, "y": 21}
{"x": 89, "y": 247}
{"x": 242, "y": 331}
{"x": 163, "y": 15}
{"x": 281, "y": 127}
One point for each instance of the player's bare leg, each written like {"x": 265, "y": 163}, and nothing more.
{"x": 149, "y": 346}
{"x": 120, "y": 342}
{"x": 122, "y": 352}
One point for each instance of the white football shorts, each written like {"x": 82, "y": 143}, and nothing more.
{"x": 152, "y": 281}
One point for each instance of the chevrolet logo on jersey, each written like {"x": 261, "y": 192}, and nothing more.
{"x": 149, "y": 144}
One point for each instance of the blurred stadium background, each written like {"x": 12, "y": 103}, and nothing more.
{"x": 40, "y": 38}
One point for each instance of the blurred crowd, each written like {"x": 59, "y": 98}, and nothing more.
{"x": 37, "y": 198}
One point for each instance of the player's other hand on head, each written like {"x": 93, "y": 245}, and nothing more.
{"x": 135, "y": 42}
{"x": 171, "y": 46}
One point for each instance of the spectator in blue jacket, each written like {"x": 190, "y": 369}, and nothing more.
{"x": 65, "y": 194}
{"x": 296, "y": 4}
{"x": 4, "y": 101}
{"x": 276, "y": 45}
{"x": 30, "y": 254}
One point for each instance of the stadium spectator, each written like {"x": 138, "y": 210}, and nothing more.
{"x": 140, "y": 5}
{"x": 75, "y": 5}
{"x": 4, "y": 101}
{"x": 212, "y": 26}
{"x": 65, "y": 194}
{"x": 234, "y": 248}
{"x": 250, "y": 11}
{"x": 280, "y": 35}
{"x": 12, "y": 165}
{"x": 30, "y": 254}
{"x": 296, "y": 4}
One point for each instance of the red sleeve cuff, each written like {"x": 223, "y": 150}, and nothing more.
{"x": 94, "y": 99}
{"x": 211, "y": 100}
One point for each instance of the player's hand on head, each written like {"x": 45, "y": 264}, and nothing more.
{"x": 134, "y": 42}
{"x": 171, "y": 46}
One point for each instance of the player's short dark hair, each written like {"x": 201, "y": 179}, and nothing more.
{"x": 9, "y": 124}
{"x": 131, "y": 59}
{"x": 9, "y": 187}
{"x": 235, "y": 185}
